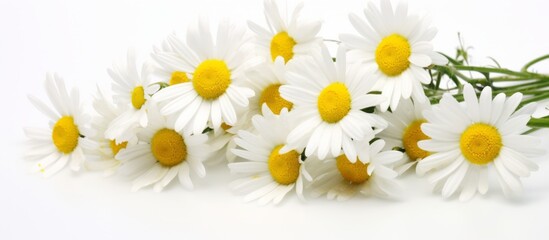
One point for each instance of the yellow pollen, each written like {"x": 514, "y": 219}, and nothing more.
{"x": 178, "y": 77}
{"x": 226, "y": 126}
{"x": 117, "y": 147}
{"x": 65, "y": 134}
{"x": 334, "y": 102}
{"x": 480, "y": 143}
{"x": 138, "y": 97}
{"x": 411, "y": 136}
{"x": 355, "y": 173}
{"x": 284, "y": 168}
{"x": 211, "y": 78}
{"x": 168, "y": 147}
{"x": 275, "y": 102}
{"x": 282, "y": 45}
{"x": 392, "y": 55}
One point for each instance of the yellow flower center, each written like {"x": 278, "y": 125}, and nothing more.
{"x": 178, "y": 77}
{"x": 334, "y": 102}
{"x": 284, "y": 168}
{"x": 411, "y": 136}
{"x": 226, "y": 126}
{"x": 168, "y": 147}
{"x": 355, "y": 173}
{"x": 480, "y": 143}
{"x": 117, "y": 147}
{"x": 392, "y": 55}
{"x": 275, "y": 102}
{"x": 282, "y": 45}
{"x": 138, "y": 97}
{"x": 211, "y": 78}
{"x": 65, "y": 134}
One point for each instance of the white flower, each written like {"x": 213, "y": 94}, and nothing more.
{"x": 164, "y": 153}
{"x": 215, "y": 69}
{"x": 168, "y": 73}
{"x": 221, "y": 140}
{"x": 467, "y": 141}
{"x": 289, "y": 38}
{"x": 104, "y": 155}
{"x": 130, "y": 93}
{"x": 221, "y": 143}
{"x": 370, "y": 174}
{"x": 328, "y": 98}
{"x": 266, "y": 80}
{"x": 394, "y": 47}
{"x": 269, "y": 174}
{"x": 404, "y": 131}
{"x": 67, "y": 138}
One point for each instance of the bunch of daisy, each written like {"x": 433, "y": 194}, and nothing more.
{"x": 286, "y": 116}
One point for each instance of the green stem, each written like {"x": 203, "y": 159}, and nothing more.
{"x": 531, "y": 131}
{"x": 502, "y": 79}
{"x": 539, "y": 122}
{"x": 538, "y": 85}
{"x": 535, "y": 99}
{"x": 529, "y": 64}
{"x": 499, "y": 70}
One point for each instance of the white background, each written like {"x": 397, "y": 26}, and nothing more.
{"x": 80, "y": 39}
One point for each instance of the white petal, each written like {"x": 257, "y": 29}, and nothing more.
{"x": 420, "y": 60}
{"x": 454, "y": 181}
{"x": 472, "y": 102}
{"x": 185, "y": 176}
{"x": 57, "y": 166}
{"x": 260, "y": 192}
{"x": 447, "y": 171}
{"x": 470, "y": 184}
{"x": 507, "y": 178}
{"x": 485, "y": 104}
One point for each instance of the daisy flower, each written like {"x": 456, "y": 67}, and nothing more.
{"x": 215, "y": 70}
{"x": 286, "y": 37}
{"x": 328, "y": 98}
{"x": 395, "y": 47}
{"x": 370, "y": 174}
{"x": 265, "y": 85}
{"x": 168, "y": 73}
{"x": 404, "y": 131}
{"x": 64, "y": 141}
{"x": 107, "y": 149}
{"x": 266, "y": 80}
{"x": 467, "y": 141}
{"x": 164, "y": 153}
{"x": 130, "y": 92}
{"x": 270, "y": 174}
{"x": 221, "y": 142}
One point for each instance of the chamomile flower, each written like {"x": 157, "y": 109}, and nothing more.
{"x": 404, "y": 131}
{"x": 396, "y": 48}
{"x": 215, "y": 69}
{"x": 170, "y": 74}
{"x": 370, "y": 174}
{"x": 221, "y": 143}
{"x": 328, "y": 98}
{"x": 266, "y": 80}
{"x": 221, "y": 140}
{"x": 164, "y": 153}
{"x": 105, "y": 153}
{"x": 64, "y": 141}
{"x": 286, "y": 37}
{"x": 467, "y": 141}
{"x": 130, "y": 92}
{"x": 270, "y": 174}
